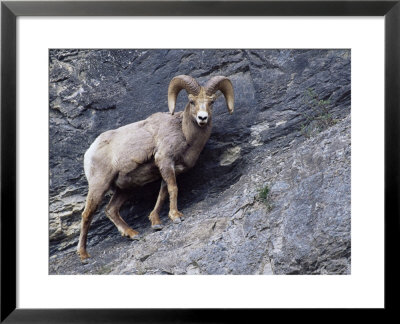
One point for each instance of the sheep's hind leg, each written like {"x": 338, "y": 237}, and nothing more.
{"x": 92, "y": 201}
{"x": 112, "y": 211}
{"x": 154, "y": 215}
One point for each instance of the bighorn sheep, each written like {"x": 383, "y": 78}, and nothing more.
{"x": 161, "y": 146}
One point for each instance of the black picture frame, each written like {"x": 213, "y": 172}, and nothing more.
{"x": 10, "y": 10}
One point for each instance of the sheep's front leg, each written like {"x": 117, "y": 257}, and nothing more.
{"x": 168, "y": 174}
{"x": 155, "y": 214}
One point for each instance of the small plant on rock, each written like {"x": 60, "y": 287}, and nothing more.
{"x": 264, "y": 197}
{"x": 319, "y": 117}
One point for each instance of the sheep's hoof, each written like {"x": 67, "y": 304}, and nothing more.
{"x": 84, "y": 256}
{"x": 176, "y": 217}
{"x": 137, "y": 237}
{"x": 132, "y": 234}
{"x": 177, "y": 220}
{"x": 157, "y": 227}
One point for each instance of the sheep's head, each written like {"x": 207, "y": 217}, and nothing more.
{"x": 200, "y": 98}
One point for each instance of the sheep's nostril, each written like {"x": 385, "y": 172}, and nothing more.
{"x": 203, "y": 118}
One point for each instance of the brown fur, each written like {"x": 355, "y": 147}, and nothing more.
{"x": 162, "y": 146}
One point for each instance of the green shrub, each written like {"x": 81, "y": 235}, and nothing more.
{"x": 264, "y": 197}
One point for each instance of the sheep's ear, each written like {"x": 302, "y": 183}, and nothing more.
{"x": 176, "y": 85}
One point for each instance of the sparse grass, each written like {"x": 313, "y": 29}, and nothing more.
{"x": 318, "y": 117}
{"x": 264, "y": 197}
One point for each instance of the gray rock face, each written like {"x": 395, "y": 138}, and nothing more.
{"x": 289, "y": 136}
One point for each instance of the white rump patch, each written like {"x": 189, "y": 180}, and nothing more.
{"x": 87, "y": 160}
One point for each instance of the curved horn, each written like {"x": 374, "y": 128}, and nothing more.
{"x": 176, "y": 85}
{"x": 225, "y": 86}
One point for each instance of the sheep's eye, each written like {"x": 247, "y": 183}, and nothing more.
{"x": 192, "y": 102}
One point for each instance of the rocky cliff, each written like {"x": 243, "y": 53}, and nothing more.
{"x": 270, "y": 193}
